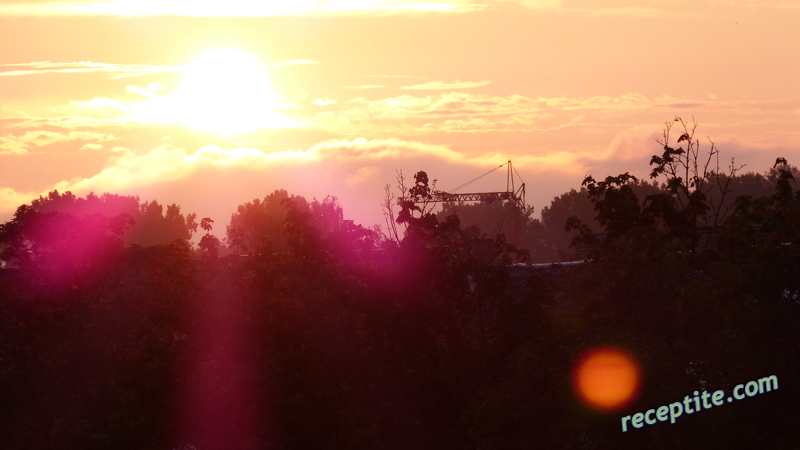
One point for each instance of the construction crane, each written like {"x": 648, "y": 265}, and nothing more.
{"x": 512, "y": 193}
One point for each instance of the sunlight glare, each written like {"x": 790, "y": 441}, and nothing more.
{"x": 224, "y": 91}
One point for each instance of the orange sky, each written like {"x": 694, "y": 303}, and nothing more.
{"x": 94, "y": 95}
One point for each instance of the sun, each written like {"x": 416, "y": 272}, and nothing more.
{"x": 224, "y": 91}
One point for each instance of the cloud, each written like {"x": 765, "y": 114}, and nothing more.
{"x": 10, "y": 199}
{"x": 115, "y": 70}
{"x": 97, "y": 113}
{"x": 365, "y": 86}
{"x": 232, "y": 8}
{"x": 471, "y": 112}
{"x": 207, "y": 110}
{"x": 129, "y": 170}
{"x": 324, "y": 101}
{"x": 162, "y": 164}
{"x": 535, "y": 4}
{"x": 217, "y": 156}
{"x": 632, "y": 144}
{"x": 251, "y": 8}
{"x": 628, "y": 102}
{"x": 142, "y": 91}
{"x": 12, "y": 145}
{"x": 20, "y": 144}
{"x": 363, "y": 148}
{"x": 441, "y": 85}
{"x": 445, "y": 105}
{"x": 408, "y": 114}
{"x": 293, "y": 62}
{"x": 520, "y": 123}
{"x": 646, "y": 8}
{"x": 348, "y": 167}
{"x": 67, "y": 117}
{"x": 355, "y": 165}
{"x": 362, "y": 175}
{"x": 102, "y": 104}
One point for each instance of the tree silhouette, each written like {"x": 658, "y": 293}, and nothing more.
{"x": 260, "y": 223}
{"x": 209, "y": 243}
{"x": 149, "y": 225}
{"x": 327, "y": 335}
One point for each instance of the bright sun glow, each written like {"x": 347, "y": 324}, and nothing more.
{"x": 224, "y": 91}
{"x": 606, "y": 378}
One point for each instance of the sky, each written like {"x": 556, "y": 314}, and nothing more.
{"x": 211, "y": 104}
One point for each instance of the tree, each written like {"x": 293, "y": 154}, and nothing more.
{"x": 91, "y": 362}
{"x": 209, "y": 243}
{"x": 696, "y": 189}
{"x": 658, "y": 284}
{"x": 554, "y": 218}
{"x": 415, "y": 342}
{"x": 260, "y": 223}
{"x": 763, "y": 233}
{"x": 419, "y": 193}
{"x": 693, "y": 203}
{"x": 55, "y": 247}
{"x": 149, "y": 225}
{"x": 153, "y": 227}
{"x": 496, "y": 218}
{"x": 578, "y": 203}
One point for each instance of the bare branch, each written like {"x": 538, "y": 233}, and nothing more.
{"x": 388, "y": 213}
{"x": 699, "y": 187}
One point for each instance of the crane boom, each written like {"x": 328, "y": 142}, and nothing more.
{"x": 510, "y": 194}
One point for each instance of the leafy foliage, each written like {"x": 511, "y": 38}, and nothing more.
{"x": 259, "y": 223}
{"x": 148, "y": 224}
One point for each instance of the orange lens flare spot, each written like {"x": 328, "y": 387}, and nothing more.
{"x": 606, "y": 378}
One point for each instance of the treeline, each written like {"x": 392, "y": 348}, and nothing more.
{"x": 316, "y": 333}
